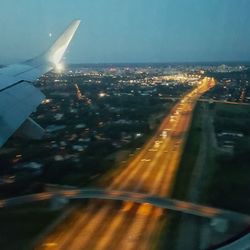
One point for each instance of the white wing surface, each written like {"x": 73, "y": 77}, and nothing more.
{"x": 18, "y": 97}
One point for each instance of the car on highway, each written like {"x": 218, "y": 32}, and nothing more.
{"x": 145, "y": 160}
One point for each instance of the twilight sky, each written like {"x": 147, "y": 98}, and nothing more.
{"x": 128, "y": 30}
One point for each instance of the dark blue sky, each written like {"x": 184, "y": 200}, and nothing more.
{"x": 128, "y": 30}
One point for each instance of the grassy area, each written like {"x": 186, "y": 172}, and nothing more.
{"x": 183, "y": 178}
{"x": 169, "y": 233}
{"x": 232, "y": 118}
{"x": 228, "y": 186}
{"x": 189, "y": 156}
{"x": 226, "y": 179}
{"x": 21, "y": 225}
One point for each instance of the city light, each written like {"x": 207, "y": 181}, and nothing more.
{"x": 102, "y": 94}
{"x": 46, "y": 101}
{"x": 59, "y": 67}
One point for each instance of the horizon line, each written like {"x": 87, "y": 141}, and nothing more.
{"x": 174, "y": 62}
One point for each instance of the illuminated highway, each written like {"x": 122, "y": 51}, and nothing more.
{"x": 104, "y": 224}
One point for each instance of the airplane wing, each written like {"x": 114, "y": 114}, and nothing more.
{"x": 18, "y": 97}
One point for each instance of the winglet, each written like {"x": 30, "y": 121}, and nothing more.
{"x": 56, "y": 51}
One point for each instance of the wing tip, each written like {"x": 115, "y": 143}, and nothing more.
{"x": 56, "y": 51}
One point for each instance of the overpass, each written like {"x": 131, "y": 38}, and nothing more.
{"x": 161, "y": 202}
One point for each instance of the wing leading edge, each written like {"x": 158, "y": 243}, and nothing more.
{"x": 18, "y": 97}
